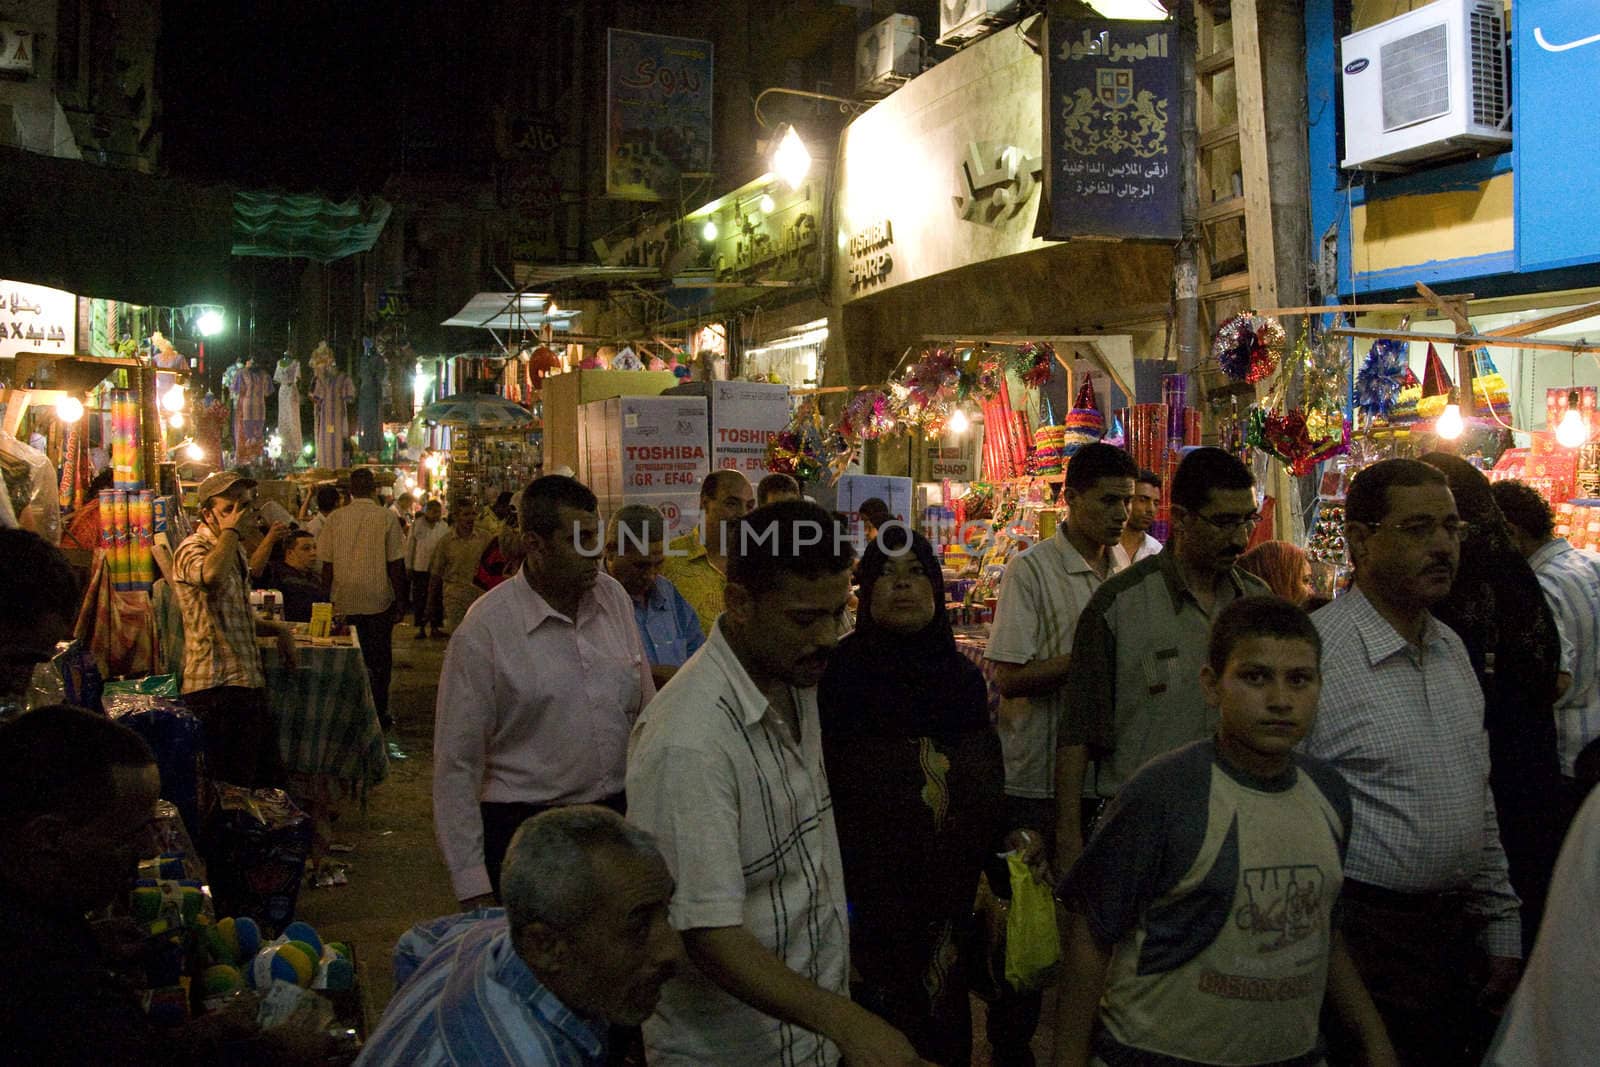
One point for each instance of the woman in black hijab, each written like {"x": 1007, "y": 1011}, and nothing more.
{"x": 917, "y": 781}
{"x": 1498, "y": 608}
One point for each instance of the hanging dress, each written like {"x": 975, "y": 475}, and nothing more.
{"x": 331, "y": 396}
{"x": 288, "y": 378}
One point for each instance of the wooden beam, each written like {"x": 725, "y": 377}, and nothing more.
{"x": 1471, "y": 340}
{"x": 1349, "y": 309}
{"x": 1260, "y": 244}
{"x": 1457, "y": 312}
{"x": 1547, "y": 322}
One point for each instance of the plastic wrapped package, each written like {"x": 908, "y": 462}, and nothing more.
{"x": 173, "y": 733}
{"x": 256, "y": 844}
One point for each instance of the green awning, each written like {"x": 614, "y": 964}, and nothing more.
{"x": 297, "y": 225}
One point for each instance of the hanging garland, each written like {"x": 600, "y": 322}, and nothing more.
{"x": 807, "y": 449}
{"x": 1031, "y": 362}
{"x": 1302, "y": 437}
{"x": 866, "y": 418}
{"x": 1248, "y": 346}
{"x": 1378, "y": 382}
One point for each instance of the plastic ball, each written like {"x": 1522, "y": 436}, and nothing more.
{"x": 309, "y": 952}
{"x": 247, "y": 937}
{"x": 219, "y": 943}
{"x": 221, "y": 978}
{"x": 304, "y": 931}
{"x": 340, "y": 949}
{"x": 145, "y": 904}
{"x": 281, "y": 963}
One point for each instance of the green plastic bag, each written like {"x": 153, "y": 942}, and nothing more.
{"x": 154, "y": 685}
{"x": 1033, "y": 948}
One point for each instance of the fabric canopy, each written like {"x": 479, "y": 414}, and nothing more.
{"x": 511, "y": 311}
{"x": 298, "y": 225}
{"x": 113, "y": 234}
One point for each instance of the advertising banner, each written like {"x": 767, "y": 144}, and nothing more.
{"x": 744, "y": 416}
{"x": 34, "y": 318}
{"x": 1111, "y": 128}
{"x": 662, "y": 444}
{"x": 658, "y": 113}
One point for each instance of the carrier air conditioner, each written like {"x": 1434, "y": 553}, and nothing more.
{"x": 888, "y": 55}
{"x": 963, "y": 21}
{"x": 1430, "y": 83}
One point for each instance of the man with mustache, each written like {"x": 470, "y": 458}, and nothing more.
{"x": 540, "y": 685}
{"x": 725, "y": 769}
{"x": 1427, "y": 907}
{"x": 1141, "y": 641}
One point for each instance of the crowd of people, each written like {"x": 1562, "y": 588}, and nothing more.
{"x": 729, "y": 798}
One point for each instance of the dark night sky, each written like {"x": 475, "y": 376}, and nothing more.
{"x": 287, "y": 94}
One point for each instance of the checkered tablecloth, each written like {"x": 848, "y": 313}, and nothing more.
{"x": 327, "y": 723}
{"x": 972, "y": 641}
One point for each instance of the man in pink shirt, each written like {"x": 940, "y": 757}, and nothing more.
{"x": 541, "y": 684}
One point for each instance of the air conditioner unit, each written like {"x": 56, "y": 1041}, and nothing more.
{"x": 888, "y": 55}
{"x": 964, "y": 21}
{"x": 1429, "y": 83}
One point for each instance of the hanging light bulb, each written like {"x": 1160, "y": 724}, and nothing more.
{"x": 958, "y": 422}
{"x": 767, "y": 204}
{"x": 174, "y": 399}
{"x": 194, "y": 451}
{"x": 790, "y": 160}
{"x": 708, "y": 232}
{"x": 69, "y": 409}
{"x": 1450, "y": 424}
{"x": 175, "y": 420}
{"x": 1572, "y": 432}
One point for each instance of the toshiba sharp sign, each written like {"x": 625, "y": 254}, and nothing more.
{"x": 1556, "y": 140}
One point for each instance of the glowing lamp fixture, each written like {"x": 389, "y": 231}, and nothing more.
{"x": 1571, "y": 432}
{"x": 708, "y": 232}
{"x": 767, "y": 204}
{"x": 174, "y": 399}
{"x": 1450, "y": 425}
{"x": 790, "y": 160}
{"x": 194, "y": 451}
{"x": 308, "y": 448}
{"x": 69, "y": 409}
{"x": 432, "y": 462}
{"x": 175, "y": 420}
{"x": 210, "y": 323}
{"x": 958, "y": 423}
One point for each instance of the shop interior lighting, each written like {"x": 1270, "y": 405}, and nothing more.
{"x": 959, "y": 423}
{"x": 174, "y": 399}
{"x": 1450, "y": 425}
{"x": 432, "y": 462}
{"x": 193, "y": 451}
{"x": 209, "y": 323}
{"x": 790, "y": 159}
{"x": 767, "y": 204}
{"x": 69, "y": 409}
{"x": 175, "y": 420}
{"x": 810, "y": 334}
{"x": 308, "y": 448}
{"x": 708, "y": 232}
{"x": 1571, "y": 432}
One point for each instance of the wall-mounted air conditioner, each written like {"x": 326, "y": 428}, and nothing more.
{"x": 1432, "y": 82}
{"x": 888, "y": 55}
{"x": 963, "y": 21}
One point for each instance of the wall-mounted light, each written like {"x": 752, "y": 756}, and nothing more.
{"x": 790, "y": 160}
{"x": 1572, "y": 431}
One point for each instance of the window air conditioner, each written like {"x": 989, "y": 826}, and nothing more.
{"x": 1429, "y": 83}
{"x": 888, "y": 55}
{"x": 963, "y": 21}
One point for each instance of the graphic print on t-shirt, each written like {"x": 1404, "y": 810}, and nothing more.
{"x": 1282, "y": 904}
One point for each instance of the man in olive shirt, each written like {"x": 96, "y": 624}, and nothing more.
{"x": 1131, "y": 690}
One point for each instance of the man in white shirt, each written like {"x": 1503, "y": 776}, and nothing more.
{"x": 1136, "y": 542}
{"x": 725, "y": 769}
{"x": 423, "y": 537}
{"x": 362, "y": 550}
{"x": 541, "y": 684}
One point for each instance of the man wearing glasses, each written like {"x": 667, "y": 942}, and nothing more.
{"x": 1427, "y": 908}
{"x": 1133, "y": 689}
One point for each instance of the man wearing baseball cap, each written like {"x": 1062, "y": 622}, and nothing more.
{"x": 223, "y": 682}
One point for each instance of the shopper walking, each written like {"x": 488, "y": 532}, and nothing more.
{"x": 453, "y": 569}
{"x": 917, "y": 780}
{"x": 424, "y": 536}
{"x": 697, "y": 562}
{"x": 362, "y": 550}
{"x": 668, "y": 626}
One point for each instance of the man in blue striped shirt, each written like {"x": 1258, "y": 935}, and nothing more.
{"x": 1571, "y": 582}
{"x": 583, "y": 942}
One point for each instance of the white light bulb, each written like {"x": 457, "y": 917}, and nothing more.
{"x": 1571, "y": 431}
{"x": 708, "y": 232}
{"x": 1450, "y": 425}
{"x": 791, "y": 161}
{"x": 767, "y": 204}
{"x": 69, "y": 409}
{"x": 174, "y": 399}
{"x": 194, "y": 451}
{"x": 175, "y": 420}
{"x": 209, "y": 323}
{"x": 958, "y": 422}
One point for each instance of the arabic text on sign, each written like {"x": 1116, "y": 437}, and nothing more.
{"x": 1101, "y": 48}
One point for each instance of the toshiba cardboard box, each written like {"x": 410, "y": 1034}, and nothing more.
{"x": 744, "y": 416}
{"x": 647, "y": 450}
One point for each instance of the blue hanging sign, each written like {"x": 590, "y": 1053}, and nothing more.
{"x": 1556, "y": 49}
{"x": 1111, "y": 98}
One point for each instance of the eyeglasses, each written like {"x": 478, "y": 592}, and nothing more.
{"x": 1424, "y": 529}
{"x": 1230, "y": 523}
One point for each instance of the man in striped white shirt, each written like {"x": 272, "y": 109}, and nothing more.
{"x": 1571, "y": 582}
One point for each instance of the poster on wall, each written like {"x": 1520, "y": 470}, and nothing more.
{"x": 34, "y": 318}
{"x": 1557, "y": 46}
{"x": 658, "y": 113}
{"x": 1111, "y": 126}
{"x": 744, "y": 416}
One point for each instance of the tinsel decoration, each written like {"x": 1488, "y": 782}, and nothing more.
{"x": 806, "y": 449}
{"x": 1379, "y": 381}
{"x": 1032, "y": 362}
{"x": 1248, "y": 346}
{"x": 866, "y": 418}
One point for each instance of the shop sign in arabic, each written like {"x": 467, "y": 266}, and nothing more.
{"x": 870, "y": 255}
{"x": 658, "y": 125}
{"x": 993, "y": 182}
{"x": 34, "y": 318}
{"x": 1111, "y": 100}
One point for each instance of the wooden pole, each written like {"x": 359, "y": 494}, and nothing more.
{"x": 1473, "y": 339}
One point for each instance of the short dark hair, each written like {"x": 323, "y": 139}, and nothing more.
{"x": 327, "y": 498}
{"x": 874, "y": 511}
{"x": 280, "y": 551}
{"x": 1148, "y": 477}
{"x": 1095, "y": 461}
{"x": 36, "y": 579}
{"x": 362, "y": 482}
{"x": 775, "y": 482}
{"x": 1367, "y": 500}
{"x": 1204, "y": 471}
{"x": 712, "y": 485}
{"x": 788, "y": 537}
{"x": 1525, "y": 509}
{"x": 544, "y": 498}
{"x": 58, "y": 760}
{"x": 1258, "y": 616}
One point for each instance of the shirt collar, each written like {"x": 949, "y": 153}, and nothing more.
{"x": 511, "y": 971}
{"x": 536, "y": 610}
{"x": 659, "y": 598}
{"x": 753, "y": 703}
{"x": 689, "y": 545}
{"x": 1548, "y": 551}
{"x": 1378, "y": 634}
{"x": 1069, "y": 553}
{"x": 1172, "y": 574}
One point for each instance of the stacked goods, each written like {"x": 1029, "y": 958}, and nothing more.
{"x": 126, "y": 538}
{"x": 1086, "y": 423}
{"x": 1579, "y": 522}
{"x": 1049, "y": 449}
{"x": 127, "y": 463}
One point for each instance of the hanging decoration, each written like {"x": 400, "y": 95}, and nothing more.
{"x": 1247, "y": 347}
{"x": 1086, "y": 423}
{"x": 1379, "y": 381}
{"x": 806, "y": 448}
{"x": 866, "y": 417}
{"x": 1032, "y": 362}
{"x": 1302, "y": 437}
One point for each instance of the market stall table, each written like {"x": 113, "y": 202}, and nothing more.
{"x": 327, "y": 723}
{"x": 973, "y": 641}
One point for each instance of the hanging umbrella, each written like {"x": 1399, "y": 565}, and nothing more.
{"x": 477, "y": 411}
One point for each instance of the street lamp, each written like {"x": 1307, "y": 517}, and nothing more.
{"x": 790, "y": 161}
{"x": 210, "y": 323}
